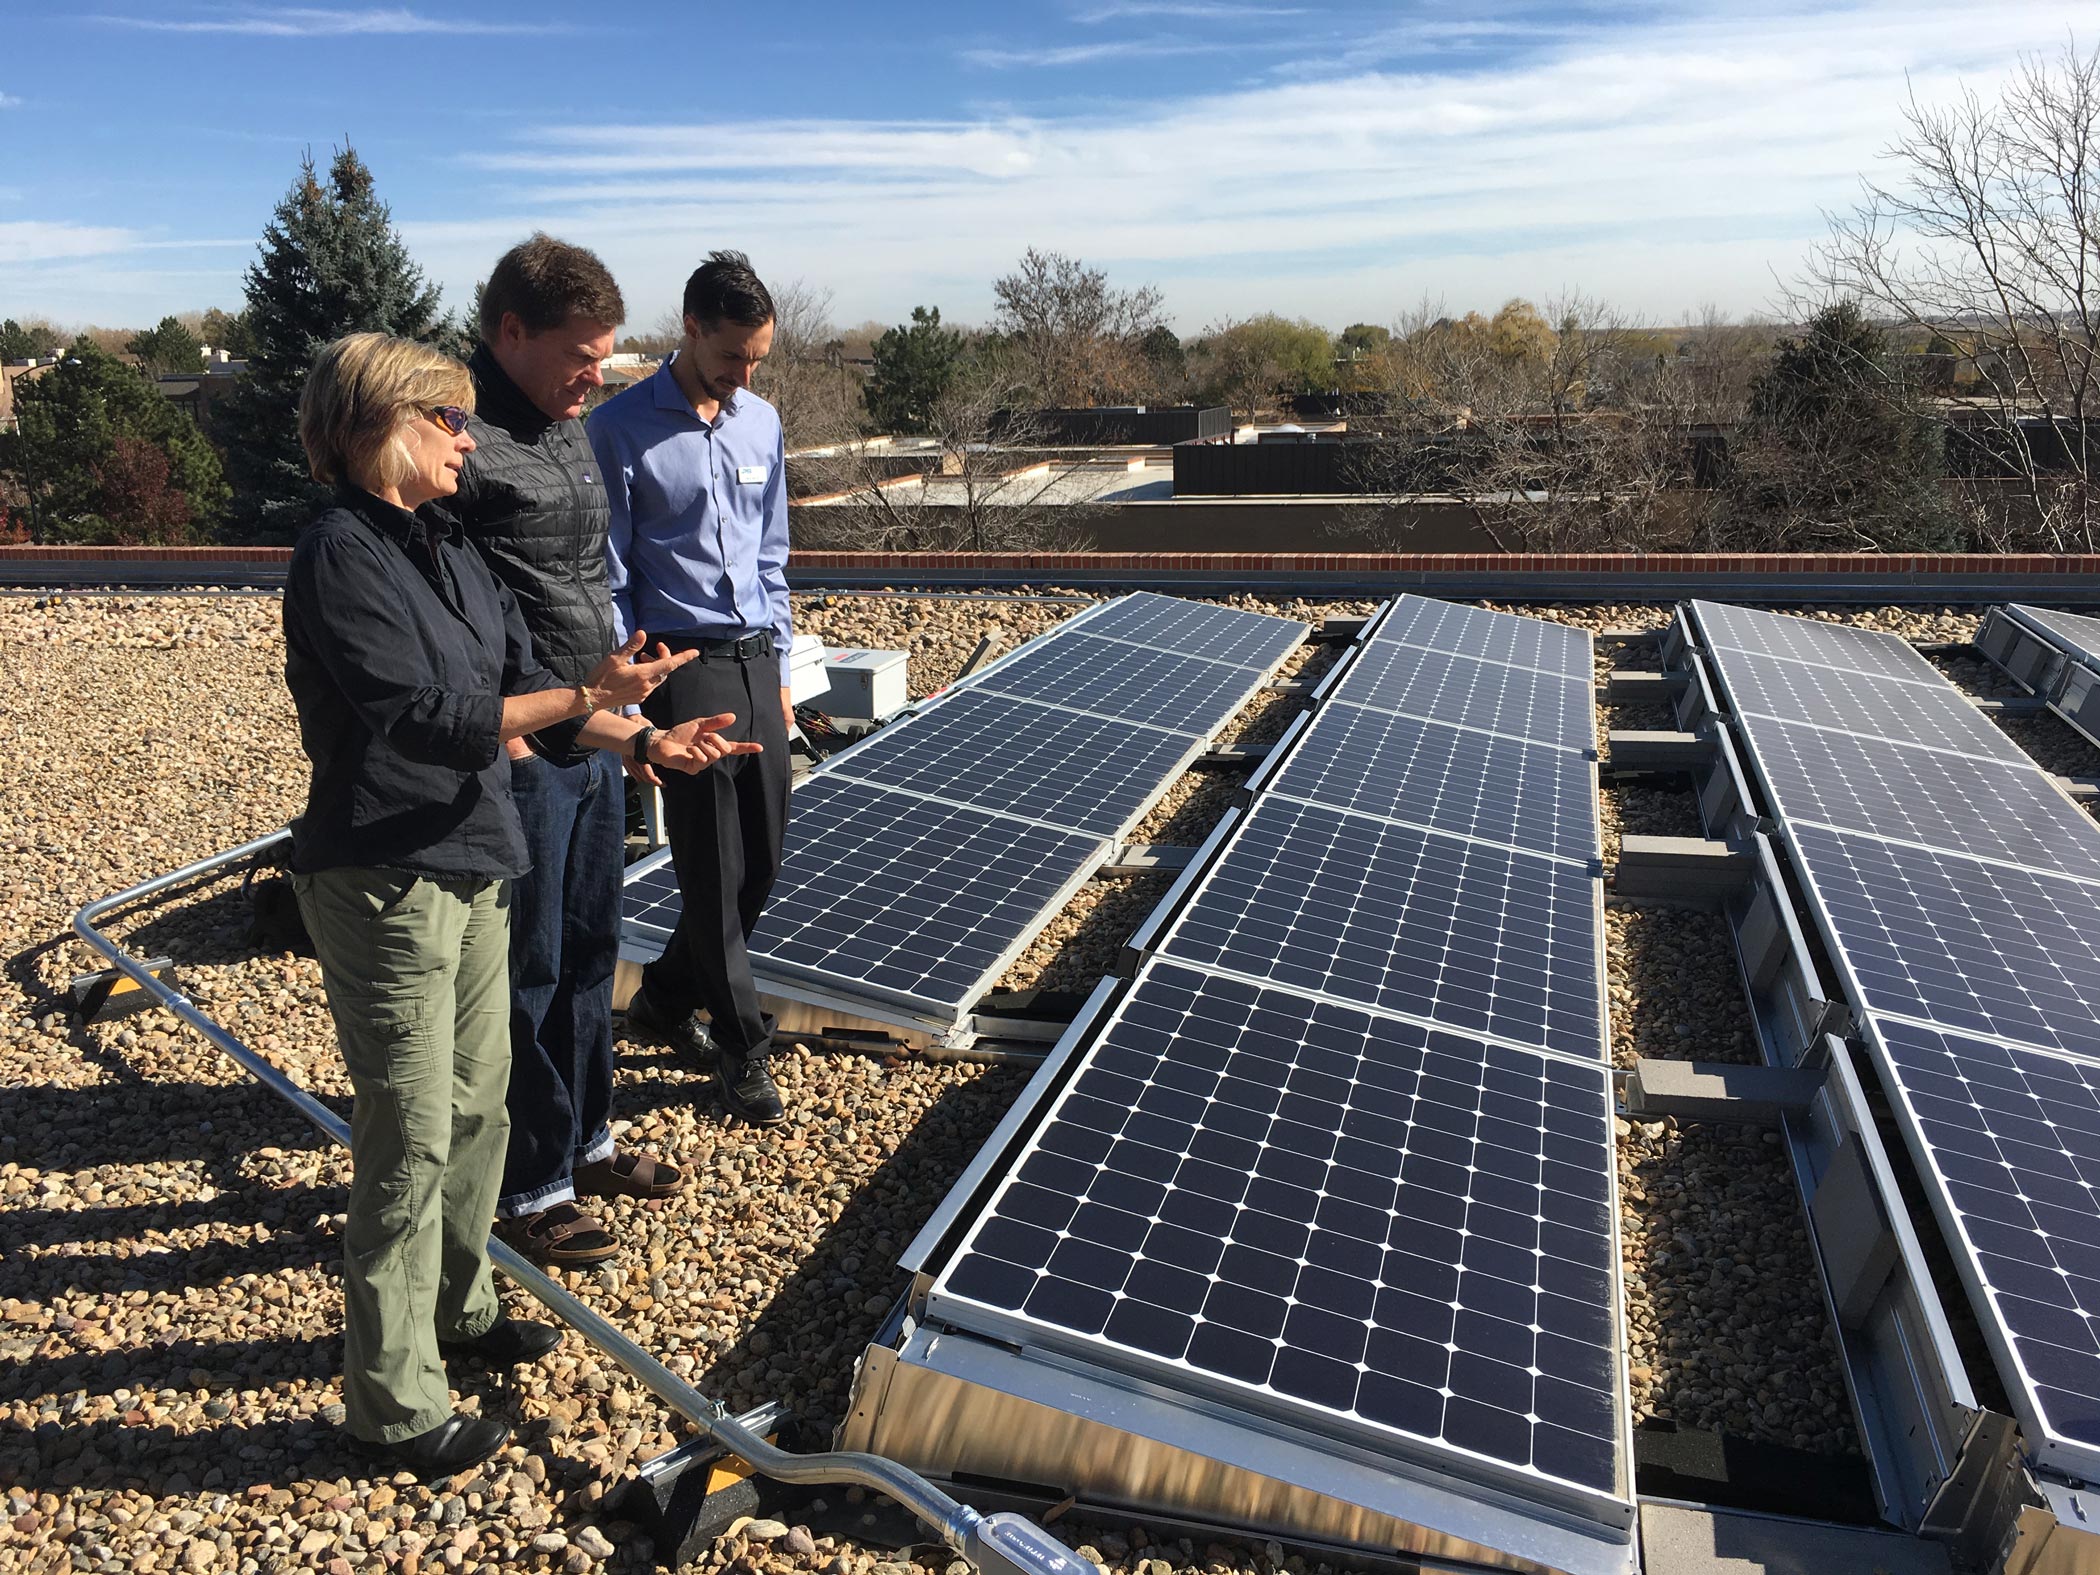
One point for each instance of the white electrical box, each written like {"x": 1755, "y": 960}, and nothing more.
{"x": 806, "y": 664}
{"x": 869, "y": 684}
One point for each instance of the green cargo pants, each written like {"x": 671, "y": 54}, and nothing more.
{"x": 417, "y": 972}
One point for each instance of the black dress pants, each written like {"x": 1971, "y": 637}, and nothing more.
{"x": 725, "y": 828}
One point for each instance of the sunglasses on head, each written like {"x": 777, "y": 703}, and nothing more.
{"x": 451, "y": 418}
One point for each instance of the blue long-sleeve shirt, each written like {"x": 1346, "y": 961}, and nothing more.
{"x": 699, "y": 538}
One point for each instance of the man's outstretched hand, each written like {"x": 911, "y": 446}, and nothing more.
{"x": 693, "y": 746}
{"x": 623, "y": 680}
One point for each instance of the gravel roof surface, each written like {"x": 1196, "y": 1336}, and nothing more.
{"x": 169, "y": 1306}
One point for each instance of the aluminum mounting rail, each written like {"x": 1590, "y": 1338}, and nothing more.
{"x": 998, "y": 1544}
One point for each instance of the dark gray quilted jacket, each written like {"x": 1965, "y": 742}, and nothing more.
{"x": 532, "y": 503}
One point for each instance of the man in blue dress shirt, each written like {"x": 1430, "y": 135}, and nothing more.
{"x": 695, "y": 470}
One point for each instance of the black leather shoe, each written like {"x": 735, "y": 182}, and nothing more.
{"x": 748, "y": 1089}
{"x": 682, "y": 1033}
{"x": 453, "y": 1445}
{"x": 506, "y": 1342}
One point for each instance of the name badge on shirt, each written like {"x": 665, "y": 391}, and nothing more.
{"x": 751, "y": 475}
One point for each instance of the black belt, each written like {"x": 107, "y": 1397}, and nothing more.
{"x": 750, "y": 645}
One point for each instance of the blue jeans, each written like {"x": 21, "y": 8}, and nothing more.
{"x": 564, "y": 945}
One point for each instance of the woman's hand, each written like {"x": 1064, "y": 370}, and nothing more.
{"x": 621, "y": 680}
{"x": 693, "y": 746}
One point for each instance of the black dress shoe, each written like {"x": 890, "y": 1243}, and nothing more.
{"x": 453, "y": 1445}
{"x": 681, "y": 1031}
{"x": 748, "y": 1089}
{"x": 506, "y": 1342}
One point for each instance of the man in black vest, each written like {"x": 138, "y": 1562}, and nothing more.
{"x": 531, "y": 500}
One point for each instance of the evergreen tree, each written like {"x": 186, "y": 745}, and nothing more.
{"x": 914, "y": 367}
{"x": 1836, "y": 449}
{"x": 167, "y": 350}
{"x": 1161, "y": 348}
{"x": 18, "y": 343}
{"x": 104, "y": 457}
{"x": 331, "y": 265}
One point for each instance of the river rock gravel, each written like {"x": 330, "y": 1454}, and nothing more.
{"x": 170, "y": 1234}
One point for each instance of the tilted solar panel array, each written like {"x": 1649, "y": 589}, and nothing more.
{"x": 2075, "y": 632}
{"x": 1958, "y": 892}
{"x": 920, "y": 861}
{"x": 1343, "y": 1154}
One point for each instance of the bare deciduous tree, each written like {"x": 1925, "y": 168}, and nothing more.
{"x": 1558, "y": 428}
{"x": 1989, "y": 239}
{"x": 1080, "y": 341}
{"x": 975, "y": 496}
{"x": 806, "y": 377}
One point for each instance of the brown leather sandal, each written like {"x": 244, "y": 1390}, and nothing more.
{"x": 561, "y": 1236}
{"x": 629, "y": 1174}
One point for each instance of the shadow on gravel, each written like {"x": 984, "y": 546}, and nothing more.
{"x": 131, "y": 1120}
{"x": 803, "y": 1347}
{"x": 209, "y": 928}
{"x": 164, "y": 1460}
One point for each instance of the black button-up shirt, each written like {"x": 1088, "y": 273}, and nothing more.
{"x": 399, "y": 648}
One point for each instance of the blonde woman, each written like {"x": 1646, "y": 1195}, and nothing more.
{"x": 409, "y": 668}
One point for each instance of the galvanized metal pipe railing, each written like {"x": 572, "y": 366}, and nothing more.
{"x": 1001, "y": 1543}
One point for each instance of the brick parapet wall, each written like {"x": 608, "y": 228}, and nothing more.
{"x": 1878, "y": 566}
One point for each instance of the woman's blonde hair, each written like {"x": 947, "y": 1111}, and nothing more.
{"x": 363, "y": 391}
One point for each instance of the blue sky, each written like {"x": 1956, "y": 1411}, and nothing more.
{"x": 1342, "y": 161}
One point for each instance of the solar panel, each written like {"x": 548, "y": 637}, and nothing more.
{"x": 1490, "y": 636}
{"x": 1460, "y": 933}
{"x": 1425, "y": 773}
{"x": 650, "y": 901}
{"x": 1858, "y": 703}
{"x": 2011, "y": 1140}
{"x": 1222, "y": 634}
{"x": 1810, "y": 640}
{"x": 2079, "y": 633}
{"x": 1517, "y": 701}
{"x": 1360, "y": 1226}
{"x": 1116, "y": 679}
{"x": 907, "y": 897}
{"x": 1954, "y": 802}
{"x": 1981, "y": 948}
{"x": 1000, "y": 753}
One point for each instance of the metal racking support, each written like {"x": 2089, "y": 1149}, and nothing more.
{"x": 998, "y": 1544}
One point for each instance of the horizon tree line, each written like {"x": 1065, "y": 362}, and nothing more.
{"x": 1969, "y": 278}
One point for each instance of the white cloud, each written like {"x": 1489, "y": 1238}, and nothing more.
{"x": 9, "y": 101}
{"x": 45, "y": 240}
{"x": 321, "y": 22}
{"x": 1085, "y": 54}
{"x": 1187, "y": 10}
{"x": 1658, "y": 166}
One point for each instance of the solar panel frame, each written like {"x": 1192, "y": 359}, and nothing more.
{"x": 1864, "y": 705}
{"x": 2078, "y": 634}
{"x": 927, "y": 754}
{"x": 650, "y": 900}
{"x": 1190, "y": 628}
{"x": 1414, "y": 771}
{"x": 1840, "y": 647}
{"x": 1955, "y": 803}
{"x": 1487, "y": 635}
{"x": 1131, "y": 683}
{"x": 980, "y": 865}
{"x": 1230, "y": 1078}
{"x": 2007, "y": 1140}
{"x": 1994, "y": 950}
{"x": 1494, "y": 697}
{"x": 1395, "y": 918}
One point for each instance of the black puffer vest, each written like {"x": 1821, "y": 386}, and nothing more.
{"x": 533, "y": 504}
